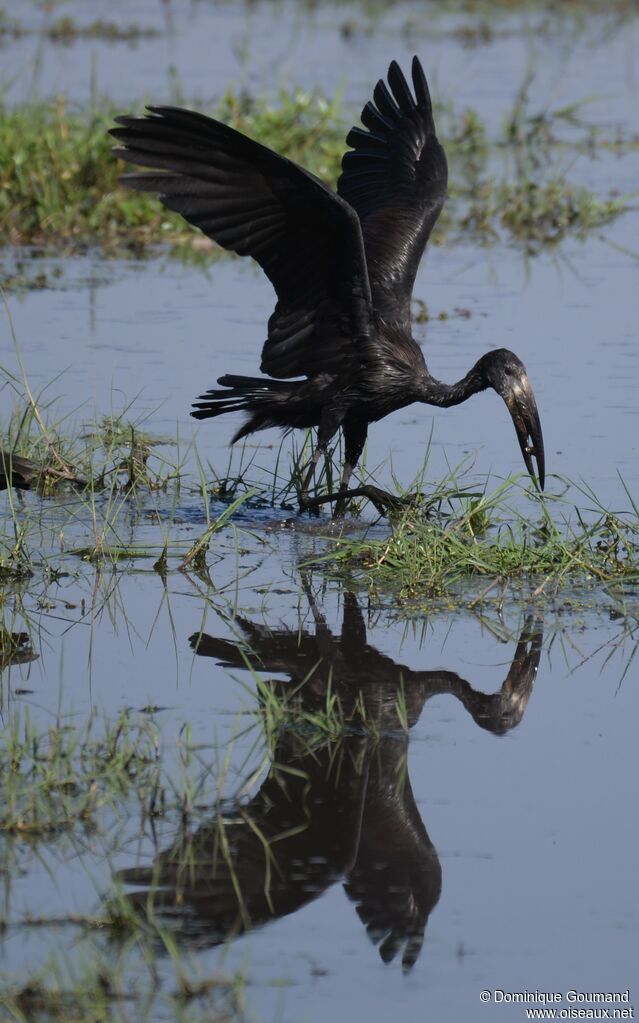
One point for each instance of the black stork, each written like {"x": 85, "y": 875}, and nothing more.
{"x": 339, "y": 351}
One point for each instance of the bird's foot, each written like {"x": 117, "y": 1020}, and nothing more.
{"x": 408, "y": 501}
{"x": 386, "y": 503}
{"x": 382, "y": 500}
{"x": 309, "y": 504}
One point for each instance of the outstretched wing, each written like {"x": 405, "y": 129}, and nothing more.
{"x": 395, "y": 177}
{"x": 256, "y": 203}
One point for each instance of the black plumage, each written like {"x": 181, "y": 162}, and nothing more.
{"x": 339, "y": 351}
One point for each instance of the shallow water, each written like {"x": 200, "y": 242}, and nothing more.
{"x": 203, "y": 46}
{"x": 530, "y": 834}
{"x": 171, "y": 330}
{"x": 162, "y": 334}
{"x": 532, "y": 830}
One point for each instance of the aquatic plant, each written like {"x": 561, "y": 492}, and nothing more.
{"x": 59, "y": 188}
{"x": 455, "y": 543}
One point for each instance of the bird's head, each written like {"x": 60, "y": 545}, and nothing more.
{"x": 506, "y": 374}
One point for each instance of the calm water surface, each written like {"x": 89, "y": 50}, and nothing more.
{"x": 163, "y": 333}
{"x": 493, "y": 846}
{"x": 488, "y": 841}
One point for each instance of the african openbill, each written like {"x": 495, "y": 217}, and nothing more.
{"x": 342, "y": 264}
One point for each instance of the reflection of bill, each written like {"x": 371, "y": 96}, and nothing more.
{"x": 341, "y": 810}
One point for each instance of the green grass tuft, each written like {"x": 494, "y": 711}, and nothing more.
{"x": 438, "y": 554}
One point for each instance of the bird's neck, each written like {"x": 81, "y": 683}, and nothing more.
{"x": 436, "y": 392}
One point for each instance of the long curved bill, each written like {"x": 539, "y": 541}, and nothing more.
{"x": 523, "y": 409}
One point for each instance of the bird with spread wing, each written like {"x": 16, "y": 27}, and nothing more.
{"x": 339, "y": 351}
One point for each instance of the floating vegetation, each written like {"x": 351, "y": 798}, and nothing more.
{"x": 113, "y": 454}
{"x": 93, "y": 487}
{"x": 76, "y": 788}
{"x": 15, "y": 648}
{"x": 98, "y": 993}
{"x": 539, "y": 214}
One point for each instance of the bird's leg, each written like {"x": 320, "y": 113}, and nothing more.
{"x": 355, "y": 433}
{"x": 381, "y": 499}
{"x": 329, "y": 424}
{"x": 343, "y": 493}
{"x": 303, "y": 498}
{"x": 354, "y": 440}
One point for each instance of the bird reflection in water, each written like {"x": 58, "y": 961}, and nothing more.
{"x": 342, "y": 810}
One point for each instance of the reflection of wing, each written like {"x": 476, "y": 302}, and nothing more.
{"x": 396, "y": 879}
{"x": 265, "y": 859}
{"x": 254, "y": 202}
{"x": 216, "y": 892}
{"x": 271, "y": 650}
{"x": 395, "y": 177}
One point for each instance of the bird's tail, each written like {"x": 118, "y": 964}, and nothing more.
{"x": 258, "y": 396}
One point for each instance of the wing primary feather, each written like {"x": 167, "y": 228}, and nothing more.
{"x": 369, "y": 140}
{"x": 399, "y": 87}
{"x": 394, "y": 176}
{"x": 385, "y": 102}
{"x": 422, "y": 92}
{"x": 371, "y": 118}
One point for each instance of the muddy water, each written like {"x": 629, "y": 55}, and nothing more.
{"x": 502, "y": 828}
